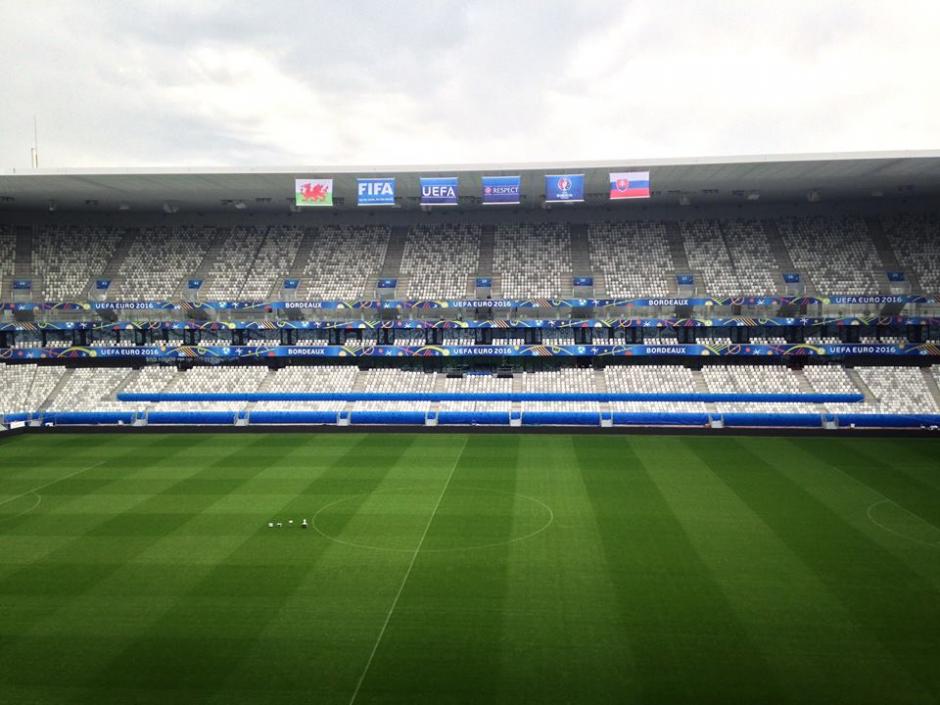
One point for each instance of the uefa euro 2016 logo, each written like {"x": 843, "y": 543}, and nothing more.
{"x": 564, "y": 184}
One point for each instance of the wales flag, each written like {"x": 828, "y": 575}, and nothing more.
{"x": 313, "y": 192}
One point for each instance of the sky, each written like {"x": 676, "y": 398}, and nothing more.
{"x": 360, "y": 82}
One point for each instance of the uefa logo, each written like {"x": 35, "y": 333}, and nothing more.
{"x": 487, "y": 189}
{"x": 564, "y": 184}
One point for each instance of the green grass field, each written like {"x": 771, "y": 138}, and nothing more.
{"x": 468, "y": 569}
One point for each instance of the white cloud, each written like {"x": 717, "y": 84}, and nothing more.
{"x": 357, "y": 83}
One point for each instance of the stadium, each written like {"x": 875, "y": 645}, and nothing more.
{"x": 577, "y": 432}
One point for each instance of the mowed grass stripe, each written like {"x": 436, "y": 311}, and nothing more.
{"x": 56, "y": 476}
{"x": 886, "y": 599}
{"x": 30, "y": 460}
{"x": 779, "y": 601}
{"x": 887, "y": 475}
{"x": 687, "y": 640}
{"x": 563, "y": 633}
{"x": 802, "y": 627}
{"x": 444, "y": 634}
{"x": 887, "y": 520}
{"x": 662, "y": 553}
{"x": 81, "y": 578}
{"x": 48, "y": 536}
{"x": 207, "y": 642}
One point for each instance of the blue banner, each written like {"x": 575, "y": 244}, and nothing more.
{"x": 266, "y": 352}
{"x": 376, "y": 191}
{"x": 895, "y": 276}
{"x": 102, "y": 284}
{"x": 291, "y": 283}
{"x": 896, "y": 323}
{"x": 685, "y": 279}
{"x": 422, "y": 304}
{"x": 583, "y": 281}
{"x": 484, "y": 283}
{"x": 194, "y": 284}
{"x": 439, "y": 191}
{"x": 387, "y": 283}
{"x": 791, "y": 277}
{"x": 501, "y": 189}
{"x": 22, "y": 284}
{"x": 564, "y": 188}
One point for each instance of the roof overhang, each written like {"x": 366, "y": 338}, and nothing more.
{"x": 701, "y": 180}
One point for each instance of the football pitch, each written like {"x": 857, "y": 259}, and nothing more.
{"x": 468, "y": 568}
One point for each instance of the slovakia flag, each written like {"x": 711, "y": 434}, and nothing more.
{"x": 629, "y": 184}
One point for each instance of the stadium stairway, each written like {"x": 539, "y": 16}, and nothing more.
{"x": 155, "y": 405}
{"x": 701, "y": 387}
{"x": 860, "y": 385}
{"x": 890, "y": 261}
{"x": 580, "y": 250}
{"x": 600, "y": 386}
{"x": 263, "y": 387}
{"x": 932, "y": 386}
{"x": 487, "y": 246}
{"x": 307, "y": 245}
{"x": 782, "y": 255}
{"x": 515, "y": 410}
{"x": 807, "y": 388}
{"x": 23, "y": 262}
{"x": 205, "y": 266}
{"x": 124, "y": 383}
{"x": 254, "y": 260}
{"x": 485, "y": 262}
{"x": 60, "y": 383}
{"x": 680, "y": 260}
{"x": 391, "y": 265}
{"x": 112, "y": 269}
{"x": 358, "y": 385}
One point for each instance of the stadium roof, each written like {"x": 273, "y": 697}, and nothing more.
{"x": 702, "y": 180}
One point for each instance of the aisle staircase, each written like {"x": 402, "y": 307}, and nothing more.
{"x": 112, "y": 270}
{"x": 515, "y": 411}
{"x": 60, "y": 383}
{"x": 701, "y": 387}
{"x": 932, "y": 386}
{"x": 807, "y": 388}
{"x": 600, "y": 386}
{"x": 861, "y": 386}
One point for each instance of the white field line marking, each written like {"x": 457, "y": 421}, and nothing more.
{"x": 411, "y": 565}
{"x": 50, "y": 484}
{"x": 471, "y": 547}
{"x": 895, "y": 532}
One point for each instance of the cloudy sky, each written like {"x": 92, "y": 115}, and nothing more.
{"x": 206, "y": 82}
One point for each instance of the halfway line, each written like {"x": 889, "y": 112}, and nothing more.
{"x": 401, "y": 588}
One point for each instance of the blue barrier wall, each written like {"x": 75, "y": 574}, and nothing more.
{"x": 658, "y": 419}
{"x": 777, "y": 420}
{"x": 278, "y": 417}
{"x": 497, "y": 418}
{"x": 191, "y": 417}
{"x": 473, "y": 418}
{"x": 387, "y": 417}
{"x": 85, "y": 418}
{"x": 481, "y": 396}
{"x": 560, "y": 418}
{"x": 889, "y": 420}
